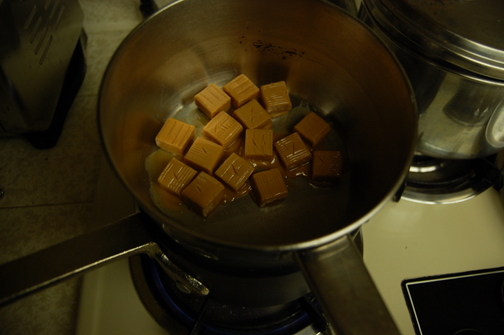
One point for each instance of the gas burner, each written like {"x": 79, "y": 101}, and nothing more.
{"x": 182, "y": 313}
{"x": 444, "y": 181}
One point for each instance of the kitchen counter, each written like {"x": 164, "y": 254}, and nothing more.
{"x": 48, "y": 195}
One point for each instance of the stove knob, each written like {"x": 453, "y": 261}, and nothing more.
{"x": 469, "y": 332}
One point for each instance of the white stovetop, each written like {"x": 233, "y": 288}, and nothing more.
{"x": 409, "y": 240}
{"x": 403, "y": 241}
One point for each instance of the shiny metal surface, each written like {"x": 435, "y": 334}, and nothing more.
{"x": 325, "y": 62}
{"x": 38, "y": 39}
{"x": 326, "y": 67}
{"x": 466, "y": 34}
{"x": 341, "y": 282}
{"x": 458, "y": 81}
{"x": 447, "y": 181}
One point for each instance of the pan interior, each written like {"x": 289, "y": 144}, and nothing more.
{"x": 332, "y": 65}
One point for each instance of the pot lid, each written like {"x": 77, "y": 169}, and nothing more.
{"x": 465, "y": 33}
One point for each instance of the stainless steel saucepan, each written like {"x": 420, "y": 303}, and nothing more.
{"x": 332, "y": 65}
{"x": 453, "y": 54}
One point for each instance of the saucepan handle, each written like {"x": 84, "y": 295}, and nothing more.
{"x": 129, "y": 236}
{"x": 345, "y": 290}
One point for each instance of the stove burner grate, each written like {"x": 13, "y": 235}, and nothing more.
{"x": 443, "y": 181}
{"x": 181, "y": 313}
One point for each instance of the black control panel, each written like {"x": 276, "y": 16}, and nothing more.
{"x": 468, "y": 303}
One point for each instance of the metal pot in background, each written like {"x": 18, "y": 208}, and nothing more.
{"x": 453, "y": 53}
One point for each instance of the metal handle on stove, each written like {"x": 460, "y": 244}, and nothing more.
{"x": 345, "y": 290}
{"x": 127, "y": 237}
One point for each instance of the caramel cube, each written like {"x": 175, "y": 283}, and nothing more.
{"x": 235, "y": 171}
{"x": 259, "y": 143}
{"x": 312, "y": 128}
{"x": 175, "y": 136}
{"x": 204, "y": 194}
{"x": 327, "y": 165}
{"x": 269, "y": 186}
{"x": 204, "y": 155}
{"x": 212, "y": 100}
{"x": 252, "y": 115}
{"x": 293, "y": 151}
{"x": 223, "y": 129}
{"x": 175, "y": 176}
{"x": 241, "y": 90}
{"x": 275, "y": 98}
